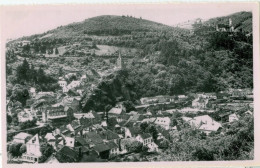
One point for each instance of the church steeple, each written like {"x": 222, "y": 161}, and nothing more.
{"x": 120, "y": 62}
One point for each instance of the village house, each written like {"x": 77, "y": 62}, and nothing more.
{"x": 232, "y": 118}
{"x": 144, "y": 138}
{"x": 68, "y": 153}
{"x": 50, "y": 138}
{"x": 148, "y": 100}
{"x": 163, "y": 122}
{"x": 118, "y": 111}
{"x": 147, "y": 140}
{"x": 103, "y": 150}
{"x": 114, "y": 149}
{"x": 131, "y": 132}
{"x": 42, "y": 94}
{"x": 200, "y": 103}
{"x": 204, "y": 123}
{"x": 75, "y": 128}
{"x": 73, "y": 84}
{"x": 25, "y": 42}
{"x": 62, "y": 83}
{"x": 72, "y": 102}
{"x": 33, "y": 151}
{"x": 125, "y": 143}
{"x": 24, "y": 116}
{"x": 21, "y": 137}
{"x": 109, "y": 136}
{"x": 93, "y": 138}
{"x": 182, "y": 97}
{"x": 32, "y": 92}
{"x": 67, "y": 141}
{"x": 53, "y": 113}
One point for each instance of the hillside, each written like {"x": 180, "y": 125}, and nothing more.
{"x": 107, "y": 25}
{"x": 241, "y": 21}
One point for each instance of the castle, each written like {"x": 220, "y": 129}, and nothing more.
{"x": 224, "y": 27}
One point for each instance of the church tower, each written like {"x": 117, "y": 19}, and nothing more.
{"x": 120, "y": 62}
{"x": 231, "y": 27}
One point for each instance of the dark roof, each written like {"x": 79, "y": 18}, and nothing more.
{"x": 86, "y": 122}
{"x": 84, "y": 149}
{"x": 92, "y": 158}
{"x": 81, "y": 140}
{"x": 108, "y": 135}
{"x": 112, "y": 145}
{"x": 64, "y": 130}
{"x": 75, "y": 124}
{"x": 125, "y": 117}
{"x": 134, "y": 130}
{"x": 145, "y": 135}
{"x": 68, "y": 152}
{"x": 112, "y": 122}
{"x": 67, "y": 108}
{"x": 94, "y": 137}
{"x": 101, "y": 148}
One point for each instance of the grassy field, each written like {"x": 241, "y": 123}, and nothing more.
{"x": 105, "y": 49}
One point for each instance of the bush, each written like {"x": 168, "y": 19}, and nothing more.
{"x": 14, "y": 149}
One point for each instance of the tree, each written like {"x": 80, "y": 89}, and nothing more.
{"x": 20, "y": 93}
{"x": 129, "y": 106}
{"x": 135, "y": 146}
{"x": 28, "y": 124}
{"x": 14, "y": 149}
{"x": 145, "y": 149}
{"x": 154, "y": 132}
{"x": 56, "y": 51}
{"x": 23, "y": 149}
{"x": 9, "y": 119}
{"x": 46, "y": 150}
{"x": 23, "y": 71}
{"x": 143, "y": 126}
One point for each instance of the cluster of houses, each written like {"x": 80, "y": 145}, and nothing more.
{"x": 77, "y": 83}
{"x": 91, "y": 134}
{"x": 101, "y": 136}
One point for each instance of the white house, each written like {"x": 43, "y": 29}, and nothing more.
{"x": 21, "y": 137}
{"x": 67, "y": 141}
{"x": 25, "y": 42}
{"x": 232, "y": 117}
{"x": 114, "y": 149}
{"x": 200, "y": 103}
{"x": 24, "y": 116}
{"x": 147, "y": 140}
{"x": 62, "y": 83}
{"x": 73, "y": 84}
{"x": 50, "y": 139}
{"x": 205, "y": 123}
{"x": 65, "y": 89}
{"x": 33, "y": 91}
{"x": 163, "y": 122}
{"x": 144, "y": 138}
{"x": 33, "y": 151}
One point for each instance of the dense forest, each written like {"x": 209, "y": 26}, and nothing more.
{"x": 222, "y": 60}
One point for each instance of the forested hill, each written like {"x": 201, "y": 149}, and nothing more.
{"x": 206, "y": 61}
{"x": 241, "y": 21}
{"x": 106, "y": 25}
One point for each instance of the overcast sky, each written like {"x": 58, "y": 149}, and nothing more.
{"x": 29, "y": 20}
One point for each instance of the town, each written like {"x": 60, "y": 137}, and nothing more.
{"x": 125, "y": 94}
{"x": 53, "y": 128}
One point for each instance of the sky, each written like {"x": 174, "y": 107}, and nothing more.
{"x": 21, "y": 21}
